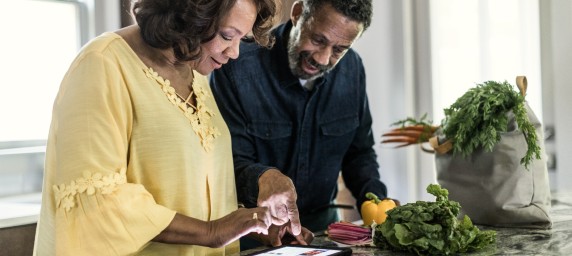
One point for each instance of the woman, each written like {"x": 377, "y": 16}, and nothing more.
{"x": 139, "y": 158}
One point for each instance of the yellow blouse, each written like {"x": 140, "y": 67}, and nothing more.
{"x": 124, "y": 155}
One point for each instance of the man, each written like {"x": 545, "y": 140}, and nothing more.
{"x": 298, "y": 115}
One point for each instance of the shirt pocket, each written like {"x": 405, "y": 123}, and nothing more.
{"x": 339, "y": 126}
{"x": 270, "y": 130}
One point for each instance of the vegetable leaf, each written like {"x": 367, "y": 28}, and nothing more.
{"x": 423, "y": 121}
{"x": 477, "y": 119}
{"x": 431, "y": 228}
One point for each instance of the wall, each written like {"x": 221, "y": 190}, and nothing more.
{"x": 101, "y": 16}
{"x": 556, "y": 45}
{"x": 393, "y": 49}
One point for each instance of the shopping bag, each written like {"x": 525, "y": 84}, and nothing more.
{"x": 493, "y": 186}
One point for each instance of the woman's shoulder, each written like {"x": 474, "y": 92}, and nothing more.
{"x": 108, "y": 49}
{"x": 103, "y": 43}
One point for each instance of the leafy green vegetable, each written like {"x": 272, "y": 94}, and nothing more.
{"x": 478, "y": 118}
{"x": 423, "y": 121}
{"x": 430, "y": 228}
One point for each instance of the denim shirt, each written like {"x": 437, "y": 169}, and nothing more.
{"x": 308, "y": 135}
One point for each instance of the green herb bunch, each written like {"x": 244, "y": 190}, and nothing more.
{"x": 478, "y": 118}
{"x": 422, "y": 121}
{"x": 431, "y": 228}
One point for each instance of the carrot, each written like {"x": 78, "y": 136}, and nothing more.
{"x": 403, "y": 133}
{"x": 401, "y": 139}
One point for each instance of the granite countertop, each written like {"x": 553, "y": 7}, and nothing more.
{"x": 510, "y": 241}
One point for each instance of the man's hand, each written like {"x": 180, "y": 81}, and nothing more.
{"x": 279, "y": 235}
{"x": 277, "y": 192}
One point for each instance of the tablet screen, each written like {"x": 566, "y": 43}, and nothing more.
{"x": 292, "y": 250}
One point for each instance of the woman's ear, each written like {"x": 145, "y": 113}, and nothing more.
{"x": 296, "y": 11}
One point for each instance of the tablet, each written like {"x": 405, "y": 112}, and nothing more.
{"x": 292, "y": 250}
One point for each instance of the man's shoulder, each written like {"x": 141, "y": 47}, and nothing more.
{"x": 350, "y": 65}
{"x": 352, "y": 57}
{"x": 252, "y": 58}
{"x": 246, "y": 47}
{"x": 251, "y": 49}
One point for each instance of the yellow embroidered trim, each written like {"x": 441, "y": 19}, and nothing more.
{"x": 89, "y": 184}
{"x": 200, "y": 119}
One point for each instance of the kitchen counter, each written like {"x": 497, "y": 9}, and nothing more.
{"x": 510, "y": 241}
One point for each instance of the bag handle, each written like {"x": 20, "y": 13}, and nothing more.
{"x": 522, "y": 84}
{"x": 440, "y": 148}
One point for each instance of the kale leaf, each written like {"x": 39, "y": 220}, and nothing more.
{"x": 429, "y": 228}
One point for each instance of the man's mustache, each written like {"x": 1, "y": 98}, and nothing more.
{"x": 306, "y": 56}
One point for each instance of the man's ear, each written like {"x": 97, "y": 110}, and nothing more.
{"x": 296, "y": 11}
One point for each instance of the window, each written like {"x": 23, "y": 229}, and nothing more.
{"x": 479, "y": 40}
{"x": 40, "y": 39}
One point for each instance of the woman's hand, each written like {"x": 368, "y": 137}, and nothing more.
{"x": 239, "y": 223}
{"x": 216, "y": 233}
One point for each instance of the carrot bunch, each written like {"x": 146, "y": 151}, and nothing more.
{"x": 410, "y": 134}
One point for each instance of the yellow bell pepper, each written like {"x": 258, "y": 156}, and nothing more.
{"x": 375, "y": 209}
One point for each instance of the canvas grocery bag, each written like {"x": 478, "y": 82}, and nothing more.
{"x": 494, "y": 188}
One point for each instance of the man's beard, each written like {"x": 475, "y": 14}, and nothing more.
{"x": 295, "y": 62}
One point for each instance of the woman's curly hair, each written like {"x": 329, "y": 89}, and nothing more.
{"x": 185, "y": 24}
